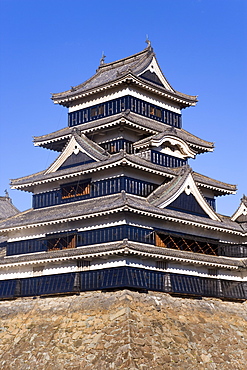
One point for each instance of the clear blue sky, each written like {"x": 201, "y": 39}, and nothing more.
{"x": 49, "y": 45}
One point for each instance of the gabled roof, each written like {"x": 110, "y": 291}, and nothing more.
{"x": 167, "y": 194}
{"x": 241, "y": 213}
{"x": 79, "y": 144}
{"x": 56, "y": 140}
{"x": 7, "y": 209}
{"x": 171, "y": 138}
{"x": 141, "y": 69}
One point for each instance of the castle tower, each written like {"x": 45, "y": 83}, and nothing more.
{"x": 120, "y": 207}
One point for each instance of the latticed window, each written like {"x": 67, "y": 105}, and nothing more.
{"x": 184, "y": 244}
{"x": 75, "y": 190}
{"x": 61, "y": 242}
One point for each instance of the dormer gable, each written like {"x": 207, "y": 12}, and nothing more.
{"x": 241, "y": 213}
{"x": 167, "y": 143}
{"x": 153, "y": 73}
{"x": 182, "y": 194}
{"x": 79, "y": 150}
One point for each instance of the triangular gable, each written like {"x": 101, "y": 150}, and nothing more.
{"x": 154, "y": 74}
{"x": 183, "y": 195}
{"x": 152, "y": 77}
{"x": 188, "y": 204}
{"x": 74, "y": 154}
{"x": 241, "y": 214}
{"x": 76, "y": 159}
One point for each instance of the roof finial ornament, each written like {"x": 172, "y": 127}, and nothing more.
{"x": 148, "y": 41}
{"x": 102, "y": 60}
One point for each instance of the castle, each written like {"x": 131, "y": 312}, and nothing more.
{"x": 120, "y": 207}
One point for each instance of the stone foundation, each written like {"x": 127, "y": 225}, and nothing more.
{"x": 122, "y": 330}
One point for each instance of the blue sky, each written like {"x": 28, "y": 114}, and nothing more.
{"x": 49, "y": 45}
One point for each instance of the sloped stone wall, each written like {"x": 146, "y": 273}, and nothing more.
{"x": 122, "y": 330}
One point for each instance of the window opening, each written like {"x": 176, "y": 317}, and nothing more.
{"x": 62, "y": 242}
{"x": 75, "y": 190}
{"x": 183, "y": 244}
{"x": 161, "y": 265}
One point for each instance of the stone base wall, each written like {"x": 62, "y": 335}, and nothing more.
{"x": 122, "y": 330}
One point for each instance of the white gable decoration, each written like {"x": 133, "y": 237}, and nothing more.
{"x": 189, "y": 187}
{"x": 72, "y": 147}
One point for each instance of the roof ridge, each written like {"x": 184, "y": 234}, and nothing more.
{"x": 128, "y": 59}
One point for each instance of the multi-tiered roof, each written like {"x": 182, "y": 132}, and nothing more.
{"x": 121, "y": 197}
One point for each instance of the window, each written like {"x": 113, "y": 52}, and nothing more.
{"x": 158, "y": 112}
{"x": 61, "y": 242}
{"x": 155, "y": 112}
{"x": 101, "y": 109}
{"x": 93, "y": 112}
{"x": 96, "y": 111}
{"x": 75, "y": 190}
{"x": 212, "y": 272}
{"x": 161, "y": 265}
{"x": 184, "y": 244}
{"x": 83, "y": 263}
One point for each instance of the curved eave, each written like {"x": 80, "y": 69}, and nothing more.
{"x": 179, "y": 218}
{"x": 124, "y": 247}
{"x": 157, "y": 170}
{"x": 57, "y": 143}
{"x": 220, "y": 191}
{"x": 121, "y": 162}
{"x": 181, "y": 99}
{"x": 54, "y": 143}
{"x": 224, "y": 189}
{"x": 100, "y": 125}
{"x": 201, "y": 149}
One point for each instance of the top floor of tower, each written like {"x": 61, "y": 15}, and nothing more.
{"x": 133, "y": 84}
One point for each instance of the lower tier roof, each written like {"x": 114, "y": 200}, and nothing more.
{"x": 112, "y": 204}
{"x": 56, "y": 140}
{"x": 125, "y": 248}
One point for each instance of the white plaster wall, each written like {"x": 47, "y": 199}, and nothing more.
{"x": 135, "y": 92}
